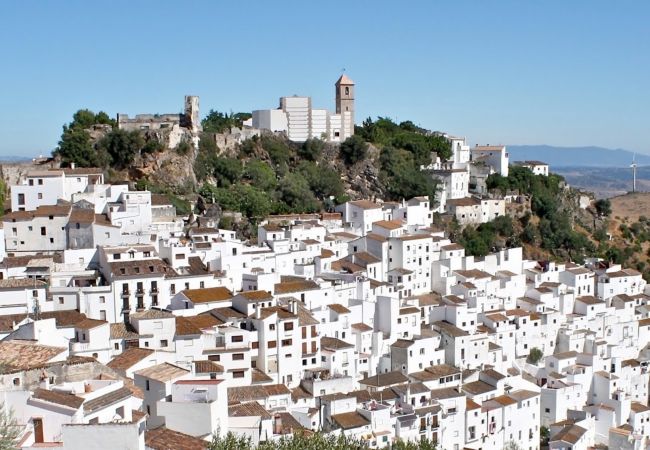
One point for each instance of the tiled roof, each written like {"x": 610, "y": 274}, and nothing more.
{"x": 162, "y": 372}
{"x": 128, "y": 358}
{"x": 242, "y": 394}
{"x": 350, "y": 420}
{"x": 23, "y": 355}
{"x": 365, "y": 204}
{"x": 105, "y": 400}
{"x": 123, "y": 331}
{"x": 478, "y": 387}
{"x": 570, "y": 434}
{"x": 165, "y": 439}
{"x": 89, "y": 324}
{"x": 21, "y": 283}
{"x": 185, "y": 327}
{"x": 58, "y": 398}
{"x": 338, "y": 308}
{"x": 385, "y": 379}
{"x": 142, "y": 267}
{"x": 333, "y": 344}
{"x": 152, "y": 314}
{"x": 256, "y": 295}
{"x": 207, "y": 367}
{"x": 294, "y": 286}
{"x": 249, "y": 409}
{"x": 207, "y": 295}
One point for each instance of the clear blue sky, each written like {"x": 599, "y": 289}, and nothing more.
{"x": 513, "y": 72}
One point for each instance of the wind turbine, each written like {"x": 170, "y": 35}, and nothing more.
{"x": 633, "y": 166}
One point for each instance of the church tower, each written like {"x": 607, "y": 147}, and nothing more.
{"x": 345, "y": 104}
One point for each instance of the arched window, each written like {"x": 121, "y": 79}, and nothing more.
{"x": 347, "y": 90}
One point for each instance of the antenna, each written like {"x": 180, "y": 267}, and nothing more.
{"x": 633, "y": 166}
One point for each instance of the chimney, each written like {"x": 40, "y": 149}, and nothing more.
{"x": 87, "y": 388}
{"x": 258, "y": 311}
{"x": 73, "y": 165}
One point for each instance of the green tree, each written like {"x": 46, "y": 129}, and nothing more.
{"x": 311, "y": 149}
{"x": 122, "y": 147}
{"x": 76, "y": 147}
{"x": 10, "y": 431}
{"x": 353, "y": 149}
{"x": 219, "y": 122}
{"x": 260, "y": 175}
{"x": 535, "y": 356}
{"x": 603, "y": 207}
{"x": 227, "y": 171}
{"x": 294, "y": 192}
{"x": 323, "y": 181}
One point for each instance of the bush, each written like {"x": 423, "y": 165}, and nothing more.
{"x": 183, "y": 148}
{"x": 353, "y": 149}
{"x": 311, "y": 149}
{"x": 535, "y": 356}
{"x": 603, "y": 207}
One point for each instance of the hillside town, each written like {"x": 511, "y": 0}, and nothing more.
{"x": 125, "y": 325}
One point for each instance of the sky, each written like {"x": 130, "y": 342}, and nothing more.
{"x": 568, "y": 73}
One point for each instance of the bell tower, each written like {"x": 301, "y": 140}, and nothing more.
{"x": 345, "y": 103}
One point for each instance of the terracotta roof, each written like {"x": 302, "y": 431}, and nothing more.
{"x": 504, "y": 400}
{"x": 152, "y": 314}
{"x": 128, "y": 358}
{"x": 101, "y": 402}
{"x": 402, "y": 343}
{"x": 478, "y": 387}
{"x": 443, "y": 370}
{"x": 52, "y": 210}
{"x": 365, "y": 204}
{"x": 62, "y": 318}
{"x": 257, "y": 376}
{"x": 471, "y": 404}
{"x": 350, "y": 420}
{"x": 256, "y": 295}
{"x": 23, "y": 355}
{"x": 21, "y": 283}
{"x": 241, "y": 394}
{"x": 207, "y": 295}
{"x": 389, "y": 224}
{"x": 338, "y": 308}
{"x": 205, "y": 320}
{"x": 249, "y": 409}
{"x": 467, "y": 201}
{"x": 450, "y": 329}
{"x": 294, "y": 286}
{"x": 185, "y": 327}
{"x": 58, "y": 398}
{"x": 385, "y": 379}
{"x": 326, "y": 253}
{"x": 123, "y": 331}
{"x": 570, "y": 434}
{"x": 409, "y": 310}
{"x": 283, "y": 313}
{"x": 162, "y": 372}
{"x": 639, "y": 407}
{"x": 89, "y": 324}
{"x": 165, "y": 439}
{"x": 361, "y": 327}
{"x": 333, "y": 344}
{"x": 207, "y": 366}
{"x": 82, "y": 215}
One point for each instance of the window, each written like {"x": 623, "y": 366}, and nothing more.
{"x": 272, "y": 327}
{"x": 163, "y": 342}
{"x": 21, "y": 199}
{"x": 40, "y": 195}
{"x": 237, "y": 339}
{"x": 238, "y": 374}
{"x": 286, "y": 342}
{"x": 237, "y": 356}
{"x": 272, "y": 344}
{"x": 16, "y": 381}
{"x": 255, "y": 345}
{"x": 43, "y": 231}
{"x": 102, "y": 299}
{"x": 146, "y": 383}
{"x": 116, "y": 346}
{"x": 61, "y": 301}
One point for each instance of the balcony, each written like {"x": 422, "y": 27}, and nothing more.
{"x": 125, "y": 294}
{"x": 139, "y": 292}
{"x": 76, "y": 347}
{"x": 154, "y": 290}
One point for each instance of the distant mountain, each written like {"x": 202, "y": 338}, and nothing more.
{"x": 13, "y": 159}
{"x": 576, "y": 156}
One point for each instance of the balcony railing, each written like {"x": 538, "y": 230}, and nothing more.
{"x": 126, "y": 293}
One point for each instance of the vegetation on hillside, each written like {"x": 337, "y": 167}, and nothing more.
{"x": 315, "y": 441}
{"x": 116, "y": 148}
{"x": 219, "y": 122}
